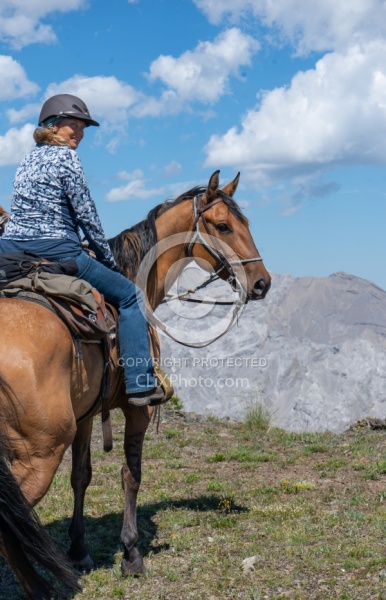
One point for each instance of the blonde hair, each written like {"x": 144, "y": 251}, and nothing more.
{"x": 48, "y": 135}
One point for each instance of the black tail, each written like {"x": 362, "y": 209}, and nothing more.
{"x": 21, "y": 531}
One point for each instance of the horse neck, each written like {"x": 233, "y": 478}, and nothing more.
{"x": 174, "y": 230}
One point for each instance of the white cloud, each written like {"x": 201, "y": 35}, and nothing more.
{"x": 130, "y": 175}
{"x": 135, "y": 189}
{"x": 199, "y": 75}
{"x": 312, "y": 186}
{"x": 332, "y": 115}
{"x": 168, "y": 103}
{"x": 20, "y": 20}
{"x": 203, "y": 74}
{"x": 15, "y": 145}
{"x": 106, "y": 97}
{"x": 329, "y": 116}
{"x": 14, "y": 82}
{"x": 29, "y": 111}
{"x": 320, "y": 26}
{"x": 172, "y": 169}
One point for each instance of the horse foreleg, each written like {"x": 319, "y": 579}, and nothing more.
{"x": 137, "y": 421}
{"x": 80, "y": 479}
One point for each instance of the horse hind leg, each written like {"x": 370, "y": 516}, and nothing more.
{"x": 80, "y": 479}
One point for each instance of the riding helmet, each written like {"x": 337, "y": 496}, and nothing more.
{"x": 65, "y": 105}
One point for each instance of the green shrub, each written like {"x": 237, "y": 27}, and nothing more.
{"x": 257, "y": 419}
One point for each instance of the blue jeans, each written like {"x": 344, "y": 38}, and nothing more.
{"x": 132, "y": 325}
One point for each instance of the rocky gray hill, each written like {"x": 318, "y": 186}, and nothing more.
{"x": 313, "y": 353}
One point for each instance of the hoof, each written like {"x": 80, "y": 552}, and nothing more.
{"x": 134, "y": 565}
{"x": 84, "y": 565}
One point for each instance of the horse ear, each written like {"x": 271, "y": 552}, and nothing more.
{"x": 212, "y": 189}
{"x": 230, "y": 189}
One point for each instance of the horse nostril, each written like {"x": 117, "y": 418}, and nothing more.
{"x": 260, "y": 288}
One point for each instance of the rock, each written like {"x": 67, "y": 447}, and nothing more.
{"x": 248, "y": 563}
{"x": 313, "y": 354}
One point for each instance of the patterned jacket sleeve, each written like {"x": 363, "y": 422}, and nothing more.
{"x": 86, "y": 215}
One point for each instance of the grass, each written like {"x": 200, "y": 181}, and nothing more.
{"x": 257, "y": 420}
{"x": 310, "y": 508}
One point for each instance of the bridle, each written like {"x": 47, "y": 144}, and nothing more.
{"x": 199, "y": 209}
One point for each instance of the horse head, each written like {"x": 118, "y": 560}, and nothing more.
{"x": 225, "y": 240}
{"x": 204, "y": 224}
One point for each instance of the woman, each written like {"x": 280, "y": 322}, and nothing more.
{"x": 50, "y": 201}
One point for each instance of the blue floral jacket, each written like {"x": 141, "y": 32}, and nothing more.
{"x": 51, "y": 199}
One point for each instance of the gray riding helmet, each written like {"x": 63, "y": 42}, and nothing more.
{"x": 66, "y": 105}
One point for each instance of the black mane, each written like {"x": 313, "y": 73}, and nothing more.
{"x": 131, "y": 245}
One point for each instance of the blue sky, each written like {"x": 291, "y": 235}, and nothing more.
{"x": 290, "y": 93}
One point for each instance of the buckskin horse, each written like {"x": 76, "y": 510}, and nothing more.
{"x": 45, "y": 391}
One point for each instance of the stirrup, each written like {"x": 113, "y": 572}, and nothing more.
{"x": 148, "y": 398}
{"x": 159, "y": 395}
{"x": 164, "y": 382}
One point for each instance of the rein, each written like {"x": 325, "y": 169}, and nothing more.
{"x": 199, "y": 210}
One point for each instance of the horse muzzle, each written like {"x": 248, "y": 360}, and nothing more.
{"x": 260, "y": 289}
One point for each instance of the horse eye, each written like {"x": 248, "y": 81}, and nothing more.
{"x": 222, "y": 227}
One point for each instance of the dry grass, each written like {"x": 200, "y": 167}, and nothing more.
{"x": 310, "y": 508}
